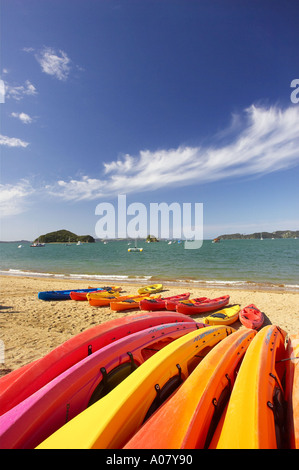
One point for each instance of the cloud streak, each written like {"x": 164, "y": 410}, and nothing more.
{"x": 23, "y": 117}
{"x": 54, "y": 63}
{"x": 267, "y": 140}
{"x": 18, "y": 92}
{"x": 14, "y": 198}
{"x": 12, "y": 142}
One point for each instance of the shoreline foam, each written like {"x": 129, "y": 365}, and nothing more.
{"x": 200, "y": 283}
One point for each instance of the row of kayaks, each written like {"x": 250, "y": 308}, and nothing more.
{"x": 157, "y": 380}
{"x": 76, "y": 294}
{"x": 250, "y": 316}
{"x": 80, "y": 294}
{"x": 149, "y": 299}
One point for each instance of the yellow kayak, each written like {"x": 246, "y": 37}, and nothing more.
{"x": 153, "y": 289}
{"x": 100, "y": 295}
{"x": 106, "y": 300}
{"x": 226, "y": 316}
{"x": 256, "y": 406}
{"x": 113, "y": 420}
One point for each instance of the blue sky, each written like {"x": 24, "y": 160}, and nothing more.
{"x": 164, "y": 101}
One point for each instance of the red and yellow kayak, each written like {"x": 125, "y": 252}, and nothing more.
{"x": 104, "y": 300}
{"x": 84, "y": 384}
{"x": 23, "y": 382}
{"x": 188, "y": 419}
{"x": 112, "y": 421}
{"x": 255, "y": 414}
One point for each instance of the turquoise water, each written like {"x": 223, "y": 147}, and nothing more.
{"x": 267, "y": 263}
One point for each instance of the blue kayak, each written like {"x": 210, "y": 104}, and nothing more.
{"x": 65, "y": 294}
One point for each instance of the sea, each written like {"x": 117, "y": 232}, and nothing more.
{"x": 249, "y": 263}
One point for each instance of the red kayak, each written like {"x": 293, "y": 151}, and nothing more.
{"x": 81, "y": 295}
{"x": 160, "y": 304}
{"x": 26, "y": 380}
{"x": 251, "y": 317}
{"x": 194, "y": 306}
{"x": 171, "y": 304}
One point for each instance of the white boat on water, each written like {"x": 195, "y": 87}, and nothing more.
{"x": 135, "y": 248}
{"x": 37, "y": 245}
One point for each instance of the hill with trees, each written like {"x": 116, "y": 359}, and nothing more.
{"x": 64, "y": 236}
{"x": 277, "y": 234}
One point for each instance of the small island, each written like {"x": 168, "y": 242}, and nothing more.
{"x": 64, "y": 236}
{"x": 151, "y": 239}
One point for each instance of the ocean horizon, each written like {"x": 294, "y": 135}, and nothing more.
{"x": 250, "y": 263}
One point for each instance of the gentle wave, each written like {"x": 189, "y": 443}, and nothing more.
{"x": 115, "y": 277}
{"x": 176, "y": 282}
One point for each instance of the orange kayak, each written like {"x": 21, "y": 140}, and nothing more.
{"x": 255, "y": 414}
{"x": 130, "y": 303}
{"x": 188, "y": 419}
{"x": 105, "y": 300}
{"x": 292, "y": 391}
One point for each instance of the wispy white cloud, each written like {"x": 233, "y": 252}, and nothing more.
{"x": 55, "y": 63}
{"x": 14, "y": 198}
{"x": 17, "y": 92}
{"x": 266, "y": 140}
{"x": 23, "y": 117}
{"x": 12, "y": 142}
{"x": 85, "y": 189}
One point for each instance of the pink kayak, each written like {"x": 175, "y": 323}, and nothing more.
{"x": 41, "y": 414}
{"x": 20, "y": 384}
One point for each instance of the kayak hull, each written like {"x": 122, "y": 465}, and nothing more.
{"x": 160, "y": 304}
{"x": 20, "y": 384}
{"x": 251, "y": 317}
{"x": 114, "y": 419}
{"x": 152, "y": 289}
{"x": 226, "y": 316}
{"x": 208, "y": 305}
{"x": 255, "y": 411}
{"x": 188, "y": 423}
{"x": 61, "y": 295}
{"x": 292, "y": 391}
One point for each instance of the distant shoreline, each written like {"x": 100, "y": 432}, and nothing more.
{"x": 278, "y": 235}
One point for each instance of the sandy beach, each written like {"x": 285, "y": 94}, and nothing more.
{"x": 30, "y": 328}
